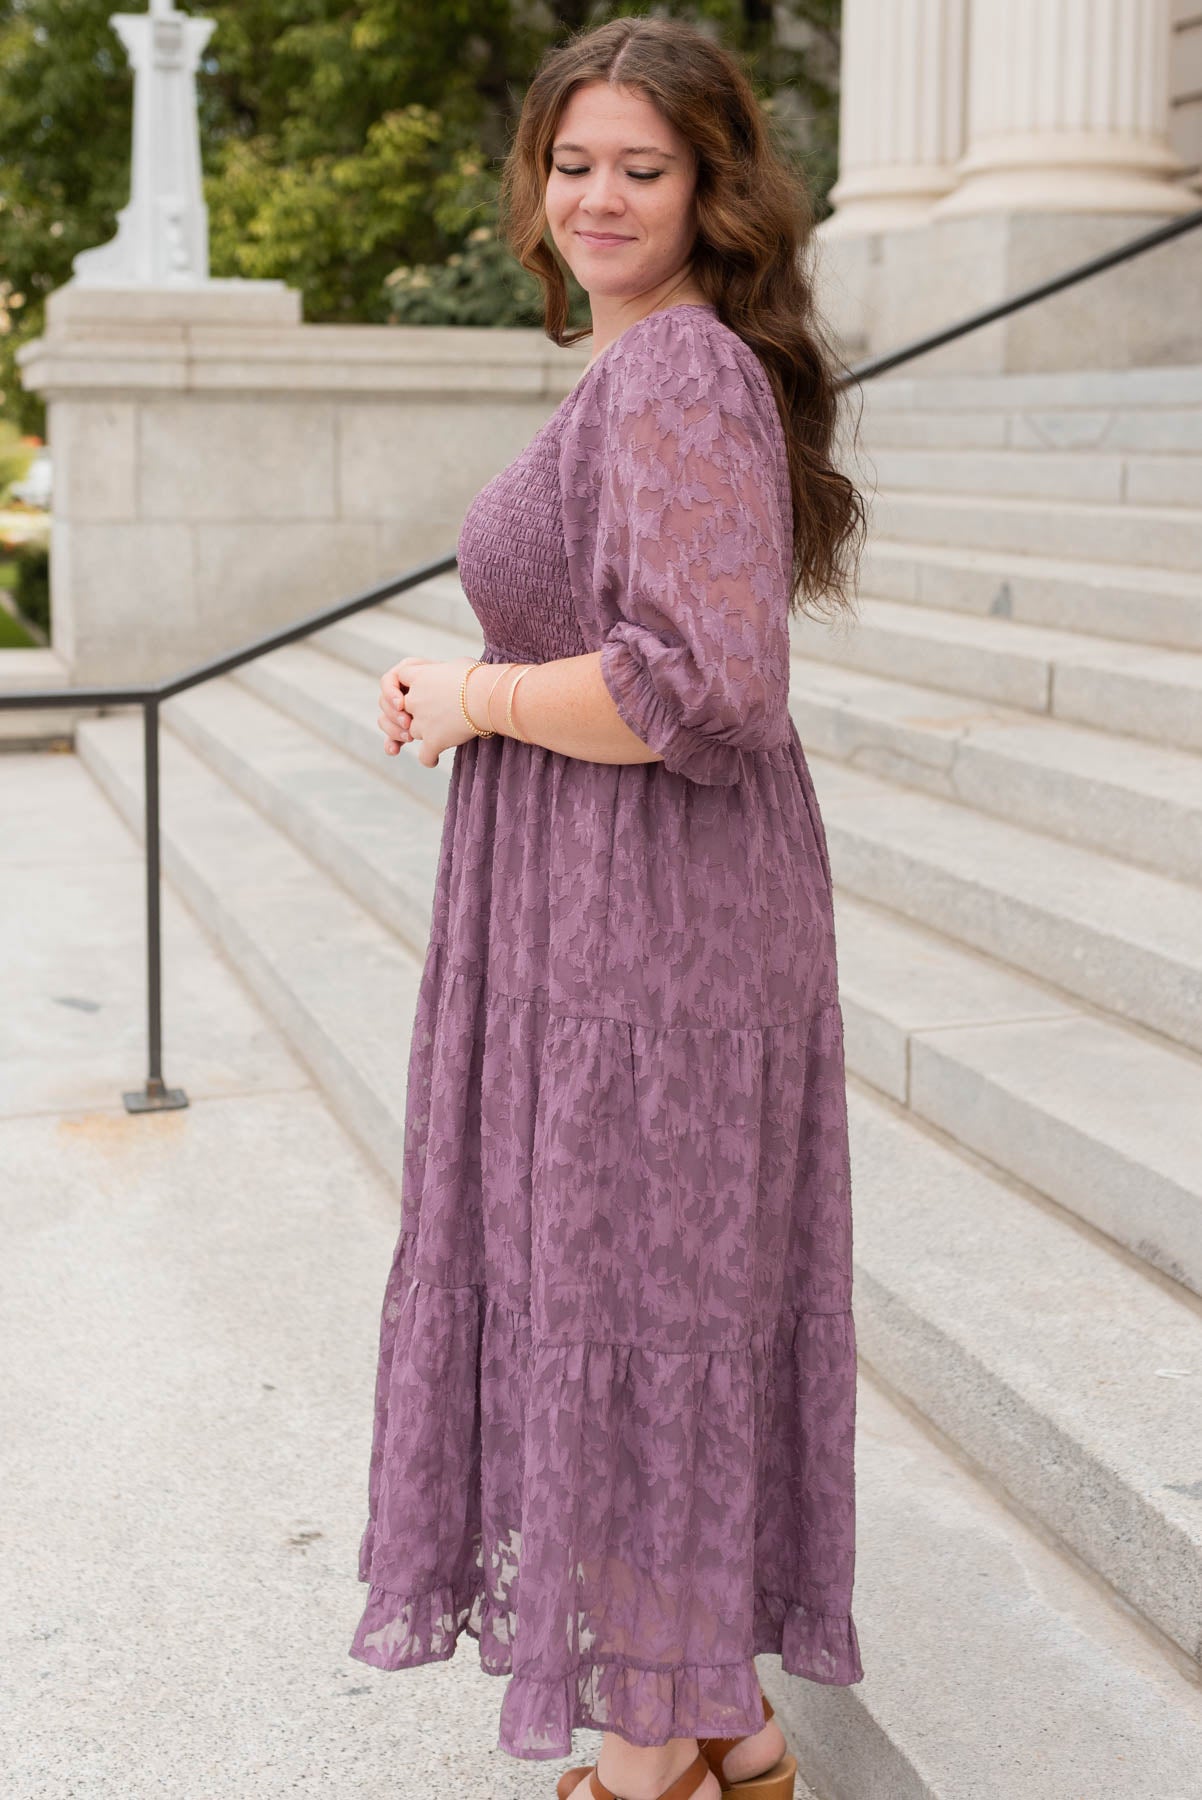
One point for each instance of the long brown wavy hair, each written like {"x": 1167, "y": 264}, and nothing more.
{"x": 750, "y": 256}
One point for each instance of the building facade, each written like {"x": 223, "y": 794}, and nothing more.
{"x": 986, "y": 144}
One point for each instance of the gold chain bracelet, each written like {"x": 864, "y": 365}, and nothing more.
{"x": 505, "y": 668}
{"x": 509, "y": 709}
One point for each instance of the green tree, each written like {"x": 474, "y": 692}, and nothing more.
{"x": 350, "y": 147}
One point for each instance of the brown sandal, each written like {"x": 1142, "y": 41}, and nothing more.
{"x": 591, "y": 1787}
{"x": 775, "y": 1783}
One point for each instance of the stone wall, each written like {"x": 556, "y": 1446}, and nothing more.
{"x": 222, "y": 468}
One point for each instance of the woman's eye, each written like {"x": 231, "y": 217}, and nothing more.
{"x": 638, "y": 174}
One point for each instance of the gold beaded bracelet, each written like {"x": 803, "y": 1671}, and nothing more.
{"x": 463, "y": 703}
{"x": 492, "y": 731}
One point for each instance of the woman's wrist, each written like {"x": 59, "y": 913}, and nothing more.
{"x": 513, "y": 729}
{"x": 504, "y": 722}
{"x": 490, "y": 721}
{"x": 507, "y": 725}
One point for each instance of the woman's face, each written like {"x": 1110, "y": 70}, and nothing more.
{"x": 621, "y": 172}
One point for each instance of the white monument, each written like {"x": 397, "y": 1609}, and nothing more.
{"x": 221, "y": 466}
{"x": 163, "y": 233}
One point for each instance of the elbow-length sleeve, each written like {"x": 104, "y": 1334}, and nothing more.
{"x": 692, "y": 549}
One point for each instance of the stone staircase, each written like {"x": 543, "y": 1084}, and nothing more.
{"x": 1007, "y": 746}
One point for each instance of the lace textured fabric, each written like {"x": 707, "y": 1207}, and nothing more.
{"x": 615, "y": 1397}
{"x": 692, "y": 554}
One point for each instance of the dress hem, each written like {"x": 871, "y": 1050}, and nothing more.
{"x": 539, "y": 1716}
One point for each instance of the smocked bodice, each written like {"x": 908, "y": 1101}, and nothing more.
{"x": 512, "y": 560}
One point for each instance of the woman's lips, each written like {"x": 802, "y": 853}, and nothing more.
{"x": 601, "y": 238}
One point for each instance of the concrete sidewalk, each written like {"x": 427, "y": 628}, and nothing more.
{"x": 190, "y": 1306}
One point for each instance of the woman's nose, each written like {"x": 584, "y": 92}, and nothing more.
{"x": 601, "y": 196}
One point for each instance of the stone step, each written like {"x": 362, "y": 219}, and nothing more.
{"x": 339, "y": 700}
{"x": 1110, "y": 600}
{"x": 440, "y": 602}
{"x": 380, "y": 845}
{"x": 1145, "y": 431}
{"x": 1143, "y": 691}
{"x": 443, "y": 604}
{"x": 1098, "y": 1116}
{"x": 1153, "y": 694}
{"x": 953, "y": 1595}
{"x": 1105, "y": 477}
{"x": 1156, "y": 695}
{"x": 1062, "y": 1372}
{"x": 937, "y": 1552}
{"x": 28, "y": 728}
{"x": 1121, "y": 938}
{"x": 368, "y": 639}
{"x": 1116, "y": 936}
{"x": 940, "y": 1028}
{"x": 1156, "y": 388}
{"x": 970, "y": 1046}
{"x": 339, "y": 984}
{"x": 320, "y": 963}
{"x": 1057, "y": 1141}
{"x": 1138, "y": 801}
{"x": 905, "y": 989}
{"x": 1166, "y": 537}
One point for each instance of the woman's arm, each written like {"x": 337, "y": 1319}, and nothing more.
{"x": 677, "y": 527}
{"x": 677, "y": 520}
{"x": 563, "y": 704}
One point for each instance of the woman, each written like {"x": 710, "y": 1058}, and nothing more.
{"x": 616, "y": 1393}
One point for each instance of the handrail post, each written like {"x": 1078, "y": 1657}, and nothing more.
{"x": 156, "y": 1096}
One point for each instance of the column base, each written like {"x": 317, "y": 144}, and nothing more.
{"x": 881, "y": 289}
{"x": 1068, "y": 172}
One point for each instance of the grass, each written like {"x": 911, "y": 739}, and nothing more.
{"x": 13, "y": 635}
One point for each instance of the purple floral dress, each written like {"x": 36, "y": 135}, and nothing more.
{"x": 615, "y": 1404}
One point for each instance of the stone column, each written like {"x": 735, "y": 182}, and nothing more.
{"x": 1068, "y": 110}
{"x": 901, "y": 115}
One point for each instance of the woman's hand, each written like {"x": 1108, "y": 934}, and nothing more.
{"x": 419, "y": 702}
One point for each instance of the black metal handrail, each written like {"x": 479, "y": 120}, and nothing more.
{"x": 156, "y": 1095}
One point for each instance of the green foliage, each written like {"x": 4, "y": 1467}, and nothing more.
{"x": 480, "y": 282}
{"x": 29, "y": 582}
{"x": 331, "y": 225}
{"x": 351, "y": 148}
{"x": 15, "y": 458}
{"x": 13, "y": 635}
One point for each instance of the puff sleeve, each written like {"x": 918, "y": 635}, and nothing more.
{"x": 693, "y": 552}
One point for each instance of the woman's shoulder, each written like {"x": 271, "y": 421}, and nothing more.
{"x": 676, "y": 356}
{"x": 688, "y": 343}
